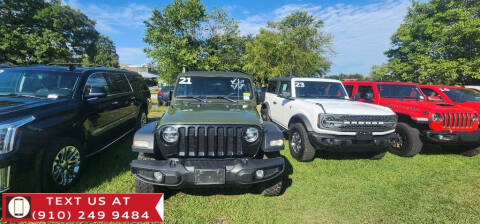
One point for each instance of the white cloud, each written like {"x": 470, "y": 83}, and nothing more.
{"x": 361, "y": 32}
{"x": 112, "y": 19}
{"x": 131, "y": 55}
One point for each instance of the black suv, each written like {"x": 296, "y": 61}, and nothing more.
{"x": 53, "y": 117}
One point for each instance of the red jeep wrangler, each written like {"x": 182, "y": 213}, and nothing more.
{"x": 421, "y": 120}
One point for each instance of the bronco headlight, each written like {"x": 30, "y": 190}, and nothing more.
{"x": 251, "y": 135}
{"x": 8, "y": 131}
{"x": 475, "y": 117}
{"x": 436, "y": 117}
{"x": 170, "y": 134}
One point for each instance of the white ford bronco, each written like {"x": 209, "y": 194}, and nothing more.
{"x": 318, "y": 114}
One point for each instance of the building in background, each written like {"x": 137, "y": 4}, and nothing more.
{"x": 146, "y": 72}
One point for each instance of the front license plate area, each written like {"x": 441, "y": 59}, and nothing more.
{"x": 209, "y": 176}
{"x": 364, "y": 136}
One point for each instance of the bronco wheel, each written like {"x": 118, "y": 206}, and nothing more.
{"x": 300, "y": 147}
{"x": 62, "y": 165}
{"x": 140, "y": 186}
{"x": 408, "y": 142}
{"x": 264, "y": 113}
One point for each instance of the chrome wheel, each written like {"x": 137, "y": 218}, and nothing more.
{"x": 66, "y": 165}
{"x": 296, "y": 142}
{"x": 143, "y": 119}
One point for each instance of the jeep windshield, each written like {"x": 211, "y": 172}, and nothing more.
{"x": 399, "y": 91}
{"x": 461, "y": 95}
{"x": 227, "y": 88}
{"x": 326, "y": 90}
{"x": 31, "y": 83}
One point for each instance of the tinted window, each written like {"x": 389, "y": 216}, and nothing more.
{"x": 399, "y": 91}
{"x": 308, "y": 89}
{"x": 95, "y": 83}
{"x": 272, "y": 87}
{"x": 118, "y": 83}
{"x": 349, "y": 89}
{"x": 462, "y": 95}
{"x": 137, "y": 82}
{"x": 284, "y": 87}
{"x": 37, "y": 83}
{"x": 231, "y": 87}
{"x": 363, "y": 90}
{"x": 429, "y": 92}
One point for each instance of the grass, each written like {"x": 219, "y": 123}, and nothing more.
{"x": 430, "y": 187}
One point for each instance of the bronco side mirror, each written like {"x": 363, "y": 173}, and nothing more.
{"x": 434, "y": 99}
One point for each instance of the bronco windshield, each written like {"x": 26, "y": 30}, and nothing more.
{"x": 33, "y": 83}
{"x": 327, "y": 90}
{"x": 214, "y": 87}
{"x": 399, "y": 91}
{"x": 461, "y": 95}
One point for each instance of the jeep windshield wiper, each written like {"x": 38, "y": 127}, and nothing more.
{"x": 222, "y": 97}
{"x": 191, "y": 97}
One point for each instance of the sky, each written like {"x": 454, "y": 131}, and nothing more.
{"x": 361, "y": 29}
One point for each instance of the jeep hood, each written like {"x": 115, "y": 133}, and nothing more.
{"x": 333, "y": 106}
{"x": 202, "y": 113}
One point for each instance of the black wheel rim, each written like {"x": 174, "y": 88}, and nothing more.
{"x": 66, "y": 165}
{"x": 399, "y": 142}
{"x": 296, "y": 142}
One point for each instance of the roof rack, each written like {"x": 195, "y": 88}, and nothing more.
{"x": 72, "y": 66}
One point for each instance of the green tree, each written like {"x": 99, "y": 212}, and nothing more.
{"x": 41, "y": 32}
{"x": 295, "y": 46}
{"x": 184, "y": 34}
{"x": 105, "y": 53}
{"x": 438, "y": 42}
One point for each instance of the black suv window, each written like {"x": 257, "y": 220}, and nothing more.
{"x": 118, "y": 83}
{"x": 272, "y": 87}
{"x": 363, "y": 90}
{"x": 96, "y": 82}
{"x": 37, "y": 83}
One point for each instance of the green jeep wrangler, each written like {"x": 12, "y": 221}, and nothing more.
{"x": 212, "y": 134}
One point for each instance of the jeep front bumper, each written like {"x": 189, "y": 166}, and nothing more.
{"x": 446, "y": 137}
{"x": 355, "y": 143}
{"x": 177, "y": 173}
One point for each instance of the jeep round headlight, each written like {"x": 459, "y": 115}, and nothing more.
{"x": 251, "y": 134}
{"x": 475, "y": 117}
{"x": 436, "y": 117}
{"x": 170, "y": 134}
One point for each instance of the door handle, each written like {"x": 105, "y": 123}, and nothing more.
{"x": 274, "y": 102}
{"x": 114, "y": 102}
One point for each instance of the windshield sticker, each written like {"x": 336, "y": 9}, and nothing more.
{"x": 52, "y": 96}
{"x": 185, "y": 81}
{"x": 237, "y": 84}
{"x": 246, "y": 96}
{"x": 299, "y": 84}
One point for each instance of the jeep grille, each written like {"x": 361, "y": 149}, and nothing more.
{"x": 457, "y": 120}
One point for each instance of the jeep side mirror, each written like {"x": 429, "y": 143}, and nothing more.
{"x": 434, "y": 99}
{"x": 285, "y": 94}
{"x": 96, "y": 92}
{"x": 260, "y": 97}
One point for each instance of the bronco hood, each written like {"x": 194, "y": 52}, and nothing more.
{"x": 202, "y": 113}
{"x": 333, "y": 106}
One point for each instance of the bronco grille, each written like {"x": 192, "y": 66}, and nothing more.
{"x": 352, "y": 123}
{"x": 457, "y": 120}
{"x": 221, "y": 141}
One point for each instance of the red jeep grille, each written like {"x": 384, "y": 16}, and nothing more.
{"x": 457, "y": 120}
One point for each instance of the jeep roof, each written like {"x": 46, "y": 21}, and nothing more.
{"x": 215, "y": 74}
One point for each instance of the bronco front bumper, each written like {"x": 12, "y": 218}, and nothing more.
{"x": 446, "y": 137}
{"x": 356, "y": 143}
{"x": 177, "y": 173}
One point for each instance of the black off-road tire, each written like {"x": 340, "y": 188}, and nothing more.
{"x": 306, "y": 152}
{"x": 410, "y": 138}
{"x": 272, "y": 187}
{"x": 48, "y": 182}
{"x": 141, "y": 186}
{"x": 265, "y": 114}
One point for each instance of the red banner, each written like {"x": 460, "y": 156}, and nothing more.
{"x": 82, "y": 207}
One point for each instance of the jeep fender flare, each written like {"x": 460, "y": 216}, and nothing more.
{"x": 272, "y": 132}
{"x": 146, "y": 135}
{"x": 300, "y": 118}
